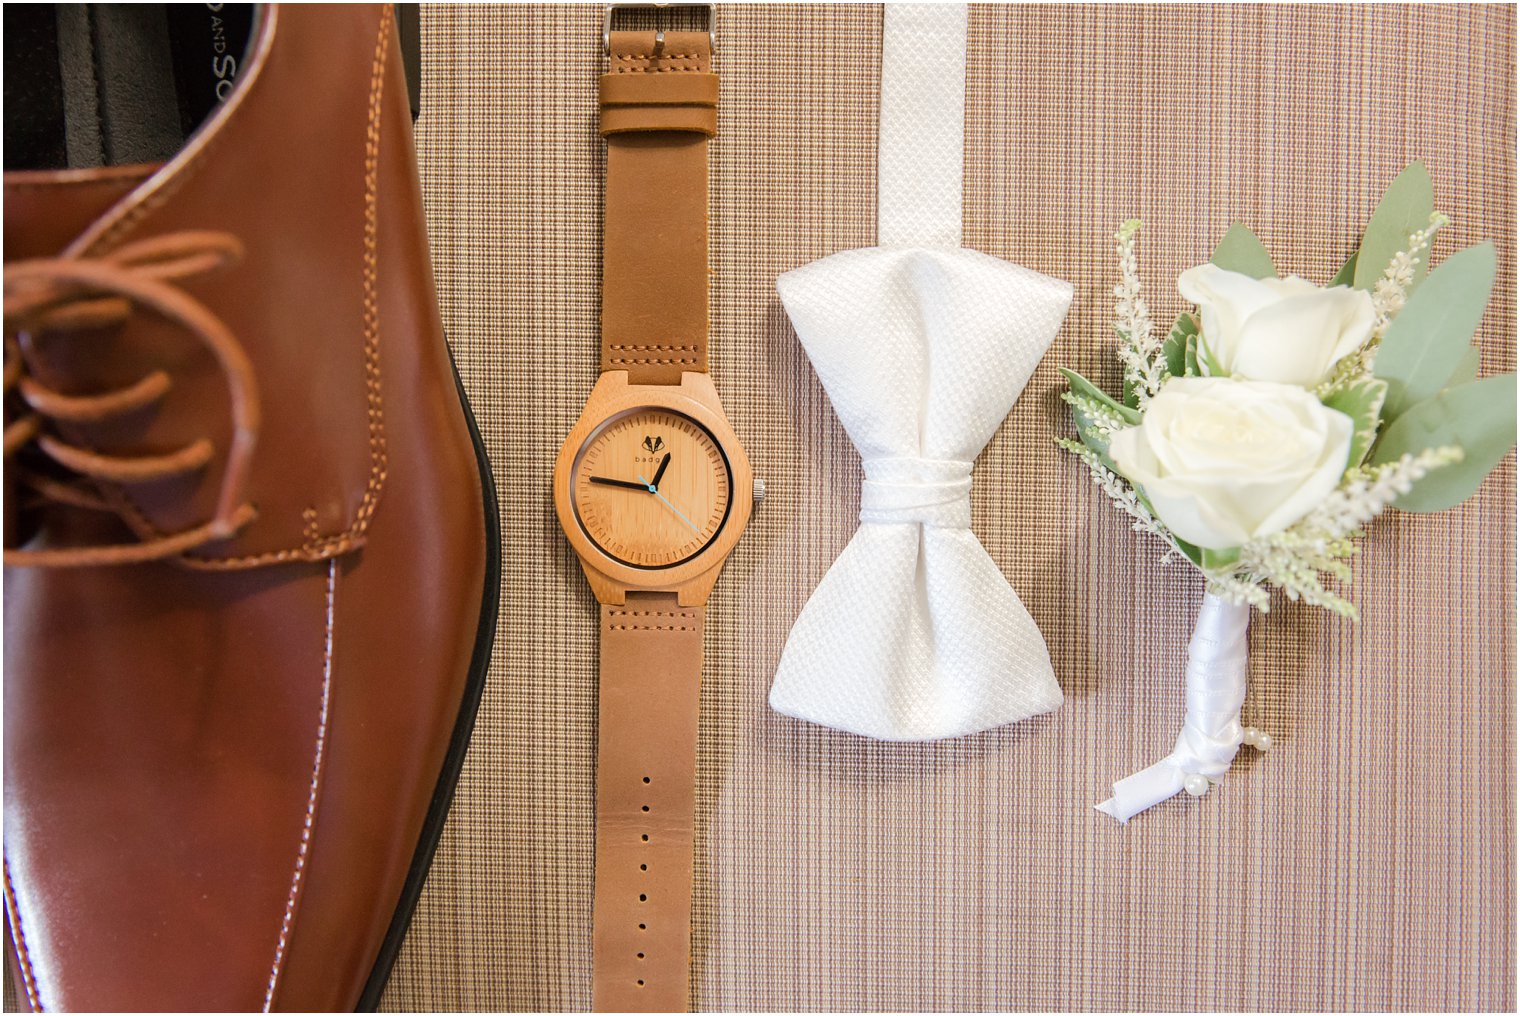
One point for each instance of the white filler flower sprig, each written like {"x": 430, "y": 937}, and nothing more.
{"x": 1274, "y": 422}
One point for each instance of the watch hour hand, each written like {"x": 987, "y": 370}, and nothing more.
{"x": 660, "y": 472}
{"x": 609, "y": 482}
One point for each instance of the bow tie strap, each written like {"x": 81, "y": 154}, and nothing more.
{"x": 935, "y": 492}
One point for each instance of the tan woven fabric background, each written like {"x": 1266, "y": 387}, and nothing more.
{"x": 1366, "y": 862}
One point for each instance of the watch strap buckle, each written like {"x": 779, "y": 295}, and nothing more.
{"x": 659, "y": 23}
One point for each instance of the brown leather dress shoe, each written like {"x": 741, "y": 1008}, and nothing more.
{"x": 251, "y": 548}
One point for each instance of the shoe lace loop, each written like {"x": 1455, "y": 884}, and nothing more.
{"x": 72, "y": 293}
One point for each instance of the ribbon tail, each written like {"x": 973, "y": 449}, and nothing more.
{"x": 1211, "y": 732}
{"x": 1145, "y": 789}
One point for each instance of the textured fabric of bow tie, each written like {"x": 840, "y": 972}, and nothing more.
{"x": 914, "y": 633}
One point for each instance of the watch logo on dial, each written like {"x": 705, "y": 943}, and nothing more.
{"x": 653, "y": 444}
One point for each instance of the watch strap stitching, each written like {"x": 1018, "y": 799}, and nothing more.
{"x": 657, "y": 111}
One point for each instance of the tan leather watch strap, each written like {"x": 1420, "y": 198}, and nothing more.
{"x": 646, "y": 765}
{"x": 657, "y": 113}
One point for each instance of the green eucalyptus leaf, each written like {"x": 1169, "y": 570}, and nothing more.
{"x": 1082, "y": 386}
{"x": 1363, "y": 402}
{"x": 1176, "y": 345}
{"x": 1192, "y": 553}
{"x": 1425, "y": 343}
{"x": 1093, "y": 438}
{"x": 1347, "y": 275}
{"x": 1240, "y": 251}
{"x": 1467, "y": 369}
{"x": 1404, "y": 210}
{"x": 1190, "y": 357}
{"x": 1084, "y": 414}
{"x": 1478, "y": 417}
{"x": 1204, "y": 359}
{"x": 1220, "y": 560}
{"x": 1174, "y": 351}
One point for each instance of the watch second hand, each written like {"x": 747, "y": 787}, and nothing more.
{"x": 672, "y": 507}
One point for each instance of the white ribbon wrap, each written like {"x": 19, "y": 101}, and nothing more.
{"x": 1211, "y": 731}
{"x": 914, "y": 633}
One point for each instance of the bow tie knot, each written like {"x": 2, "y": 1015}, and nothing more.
{"x": 935, "y": 492}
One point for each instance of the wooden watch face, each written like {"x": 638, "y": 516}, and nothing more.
{"x": 651, "y": 488}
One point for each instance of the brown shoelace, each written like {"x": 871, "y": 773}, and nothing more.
{"x": 57, "y": 294}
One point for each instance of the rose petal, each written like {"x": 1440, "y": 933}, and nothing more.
{"x": 1313, "y": 490}
{"x": 1192, "y": 517}
{"x": 1224, "y": 461}
{"x": 1224, "y": 299}
{"x": 1298, "y": 339}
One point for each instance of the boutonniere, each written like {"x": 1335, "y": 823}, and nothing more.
{"x": 1274, "y": 421}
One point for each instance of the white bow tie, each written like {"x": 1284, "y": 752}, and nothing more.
{"x": 914, "y": 633}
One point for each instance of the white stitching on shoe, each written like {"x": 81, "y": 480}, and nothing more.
{"x": 13, "y": 909}
{"x": 311, "y": 798}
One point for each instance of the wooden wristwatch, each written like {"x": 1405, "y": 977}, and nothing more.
{"x": 653, "y": 491}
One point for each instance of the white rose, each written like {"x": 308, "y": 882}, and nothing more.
{"x": 1284, "y": 330}
{"x": 1225, "y": 461}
